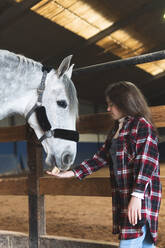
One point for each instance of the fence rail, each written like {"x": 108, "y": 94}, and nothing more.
{"x": 94, "y": 186}
{"x": 92, "y": 123}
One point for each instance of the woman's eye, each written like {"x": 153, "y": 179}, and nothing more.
{"x": 62, "y": 103}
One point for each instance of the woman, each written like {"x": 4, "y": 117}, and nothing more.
{"x": 131, "y": 150}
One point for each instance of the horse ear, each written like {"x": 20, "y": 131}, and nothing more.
{"x": 64, "y": 66}
{"x": 69, "y": 71}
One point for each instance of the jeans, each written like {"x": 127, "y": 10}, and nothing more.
{"x": 143, "y": 241}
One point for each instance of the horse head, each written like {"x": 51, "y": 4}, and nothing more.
{"x": 53, "y": 117}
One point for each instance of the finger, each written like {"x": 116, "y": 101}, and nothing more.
{"x": 129, "y": 216}
{"x": 135, "y": 218}
{"x": 139, "y": 214}
{"x": 132, "y": 217}
{"x": 49, "y": 172}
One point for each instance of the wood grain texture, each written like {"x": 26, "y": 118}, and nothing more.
{"x": 92, "y": 123}
{"x": 94, "y": 186}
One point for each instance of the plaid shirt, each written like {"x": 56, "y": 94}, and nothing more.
{"x": 137, "y": 171}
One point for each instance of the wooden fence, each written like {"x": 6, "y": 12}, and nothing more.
{"x": 36, "y": 185}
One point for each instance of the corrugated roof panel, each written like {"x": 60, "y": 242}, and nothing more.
{"x": 66, "y": 3}
{"x": 39, "y": 5}
{"x": 114, "y": 46}
{"x": 91, "y": 15}
{"x": 151, "y": 68}
{"x": 88, "y": 18}
{"x": 122, "y": 44}
{"x": 75, "y": 24}
{"x": 128, "y": 42}
{"x": 161, "y": 64}
{"x": 18, "y": 1}
{"x": 48, "y": 9}
{"x": 107, "y": 43}
{"x": 77, "y": 16}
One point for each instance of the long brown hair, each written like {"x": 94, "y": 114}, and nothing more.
{"x": 128, "y": 98}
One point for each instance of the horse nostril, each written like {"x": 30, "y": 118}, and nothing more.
{"x": 67, "y": 160}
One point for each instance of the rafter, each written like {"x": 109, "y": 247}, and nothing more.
{"x": 17, "y": 10}
{"x": 153, "y": 5}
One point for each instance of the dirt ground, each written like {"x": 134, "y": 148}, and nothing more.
{"x": 77, "y": 217}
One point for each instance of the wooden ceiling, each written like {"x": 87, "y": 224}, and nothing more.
{"x": 93, "y": 31}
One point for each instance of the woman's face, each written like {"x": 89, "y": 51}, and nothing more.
{"x": 113, "y": 110}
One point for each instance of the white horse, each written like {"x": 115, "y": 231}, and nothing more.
{"x": 25, "y": 87}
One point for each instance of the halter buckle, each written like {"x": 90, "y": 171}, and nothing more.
{"x": 49, "y": 134}
{"x": 40, "y": 91}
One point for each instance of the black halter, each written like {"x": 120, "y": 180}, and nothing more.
{"x": 43, "y": 119}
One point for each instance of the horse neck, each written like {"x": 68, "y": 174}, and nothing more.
{"x": 19, "y": 81}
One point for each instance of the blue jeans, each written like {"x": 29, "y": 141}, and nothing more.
{"x": 143, "y": 241}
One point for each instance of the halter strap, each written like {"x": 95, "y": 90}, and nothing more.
{"x": 40, "y": 90}
{"x": 61, "y": 134}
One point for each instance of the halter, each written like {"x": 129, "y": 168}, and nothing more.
{"x": 42, "y": 118}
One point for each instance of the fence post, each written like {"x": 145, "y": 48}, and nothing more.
{"x": 37, "y": 221}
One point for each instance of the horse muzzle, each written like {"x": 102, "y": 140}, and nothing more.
{"x": 63, "y": 163}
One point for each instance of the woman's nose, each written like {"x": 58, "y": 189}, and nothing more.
{"x": 108, "y": 108}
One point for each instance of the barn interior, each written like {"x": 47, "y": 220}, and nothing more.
{"x": 93, "y": 32}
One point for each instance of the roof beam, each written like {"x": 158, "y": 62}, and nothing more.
{"x": 153, "y": 5}
{"x": 116, "y": 26}
{"x": 16, "y": 11}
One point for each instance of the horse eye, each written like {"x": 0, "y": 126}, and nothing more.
{"x": 62, "y": 103}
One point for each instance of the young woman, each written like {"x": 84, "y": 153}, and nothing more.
{"x": 131, "y": 150}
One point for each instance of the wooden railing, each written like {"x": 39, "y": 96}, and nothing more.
{"x": 36, "y": 185}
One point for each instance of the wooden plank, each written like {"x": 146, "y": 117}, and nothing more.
{"x": 13, "y": 239}
{"x": 11, "y": 134}
{"x": 10, "y": 239}
{"x": 158, "y": 114}
{"x": 75, "y": 187}
{"x": 102, "y": 122}
{"x": 54, "y": 186}
{"x": 94, "y": 186}
{"x": 93, "y": 123}
{"x": 66, "y": 242}
{"x": 13, "y": 186}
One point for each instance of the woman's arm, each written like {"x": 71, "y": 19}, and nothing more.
{"x": 147, "y": 156}
{"x": 87, "y": 167}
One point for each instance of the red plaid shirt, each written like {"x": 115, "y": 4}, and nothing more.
{"x": 137, "y": 171}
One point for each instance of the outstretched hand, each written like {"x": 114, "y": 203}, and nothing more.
{"x": 62, "y": 174}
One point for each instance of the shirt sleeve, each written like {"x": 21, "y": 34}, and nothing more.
{"x": 147, "y": 158}
{"x": 89, "y": 166}
{"x": 138, "y": 195}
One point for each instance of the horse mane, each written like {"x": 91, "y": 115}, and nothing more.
{"x": 18, "y": 62}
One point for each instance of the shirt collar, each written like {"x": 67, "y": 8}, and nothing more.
{"x": 121, "y": 120}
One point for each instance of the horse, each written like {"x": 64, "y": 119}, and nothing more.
{"x": 47, "y": 99}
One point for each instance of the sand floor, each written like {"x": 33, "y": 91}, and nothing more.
{"x": 77, "y": 217}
